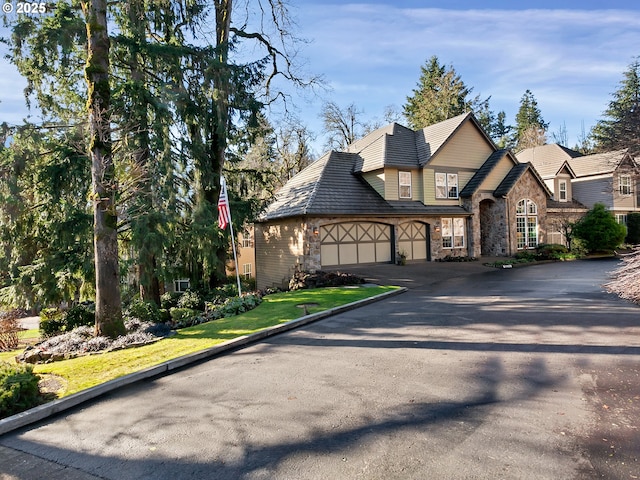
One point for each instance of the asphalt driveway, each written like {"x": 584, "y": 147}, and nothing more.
{"x": 528, "y": 373}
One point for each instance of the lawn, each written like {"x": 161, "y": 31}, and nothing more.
{"x": 74, "y": 375}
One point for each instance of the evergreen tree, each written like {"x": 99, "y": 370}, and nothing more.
{"x": 530, "y": 129}
{"x": 620, "y": 127}
{"x": 599, "y": 230}
{"x": 441, "y": 94}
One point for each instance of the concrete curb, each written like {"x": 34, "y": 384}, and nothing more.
{"x": 41, "y": 412}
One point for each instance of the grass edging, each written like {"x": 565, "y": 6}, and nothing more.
{"x": 59, "y": 405}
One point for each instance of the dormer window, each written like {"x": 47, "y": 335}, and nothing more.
{"x": 404, "y": 179}
{"x": 562, "y": 190}
{"x": 625, "y": 185}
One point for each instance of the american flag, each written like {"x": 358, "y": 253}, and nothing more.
{"x": 224, "y": 214}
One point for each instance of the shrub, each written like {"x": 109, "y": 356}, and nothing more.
{"x": 145, "y": 311}
{"x": 79, "y": 316}
{"x": 169, "y": 300}
{"x": 526, "y": 256}
{"x": 633, "y": 228}
{"x": 599, "y": 230}
{"x": 18, "y": 389}
{"x": 51, "y": 321}
{"x": 552, "y": 251}
{"x": 192, "y": 300}
{"x": 301, "y": 280}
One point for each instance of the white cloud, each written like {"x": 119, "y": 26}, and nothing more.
{"x": 571, "y": 59}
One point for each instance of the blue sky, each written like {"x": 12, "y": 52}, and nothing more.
{"x": 571, "y": 55}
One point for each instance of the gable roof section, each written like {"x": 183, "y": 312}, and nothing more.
{"x": 329, "y": 187}
{"x": 430, "y": 140}
{"x": 547, "y": 159}
{"x": 514, "y": 175}
{"x": 599, "y": 163}
{"x": 390, "y": 146}
{"x": 483, "y": 172}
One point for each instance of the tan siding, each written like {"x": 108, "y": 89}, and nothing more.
{"x": 429, "y": 182}
{"x": 428, "y": 186}
{"x": 417, "y": 189}
{"x": 376, "y": 180}
{"x": 466, "y": 149}
{"x": 278, "y": 249}
{"x": 496, "y": 175}
{"x": 391, "y": 184}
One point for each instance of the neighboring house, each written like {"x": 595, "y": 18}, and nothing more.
{"x": 444, "y": 190}
{"x": 246, "y": 254}
{"x": 552, "y": 162}
{"x": 610, "y": 178}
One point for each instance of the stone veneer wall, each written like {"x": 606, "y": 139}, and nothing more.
{"x": 526, "y": 187}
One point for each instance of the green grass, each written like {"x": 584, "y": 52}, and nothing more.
{"x": 84, "y": 372}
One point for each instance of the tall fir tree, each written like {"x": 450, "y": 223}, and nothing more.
{"x": 620, "y": 127}
{"x": 530, "y": 128}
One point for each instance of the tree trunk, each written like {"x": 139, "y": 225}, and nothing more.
{"x": 105, "y": 236}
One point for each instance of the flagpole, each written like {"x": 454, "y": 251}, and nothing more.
{"x": 235, "y": 257}
{"x": 223, "y": 188}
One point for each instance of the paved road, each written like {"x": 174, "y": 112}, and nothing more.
{"x": 529, "y": 373}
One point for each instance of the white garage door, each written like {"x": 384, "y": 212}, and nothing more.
{"x": 352, "y": 243}
{"x": 413, "y": 240}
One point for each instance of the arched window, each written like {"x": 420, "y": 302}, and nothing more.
{"x": 527, "y": 224}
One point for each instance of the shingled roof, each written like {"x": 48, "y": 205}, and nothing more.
{"x": 330, "y": 186}
{"x": 483, "y": 172}
{"x": 599, "y": 163}
{"x": 509, "y": 181}
{"x": 547, "y": 159}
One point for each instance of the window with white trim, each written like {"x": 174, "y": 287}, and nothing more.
{"x": 446, "y": 185}
{"x": 181, "y": 285}
{"x": 562, "y": 190}
{"x": 452, "y": 232}
{"x": 404, "y": 180}
{"x": 526, "y": 224}
{"x": 246, "y": 270}
{"x": 246, "y": 239}
{"x": 625, "y": 184}
{"x": 621, "y": 218}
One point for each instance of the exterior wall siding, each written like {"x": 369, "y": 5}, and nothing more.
{"x": 592, "y": 191}
{"x": 470, "y": 150}
{"x": 377, "y": 181}
{"x": 280, "y": 250}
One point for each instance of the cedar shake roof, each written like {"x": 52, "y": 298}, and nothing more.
{"x": 600, "y": 163}
{"x": 329, "y": 186}
{"x": 547, "y": 159}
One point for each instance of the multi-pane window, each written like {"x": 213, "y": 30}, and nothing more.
{"x": 452, "y": 232}
{"x": 446, "y": 185}
{"x": 527, "y": 224}
{"x": 621, "y": 218}
{"x": 562, "y": 190}
{"x": 246, "y": 239}
{"x": 625, "y": 185}
{"x": 181, "y": 285}
{"x": 404, "y": 179}
{"x": 246, "y": 270}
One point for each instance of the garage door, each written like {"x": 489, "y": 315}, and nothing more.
{"x": 413, "y": 240}
{"x": 352, "y": 243}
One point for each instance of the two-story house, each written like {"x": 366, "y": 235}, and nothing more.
{"x": 444, "y": 190}
{"x": 578, "y": 181}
